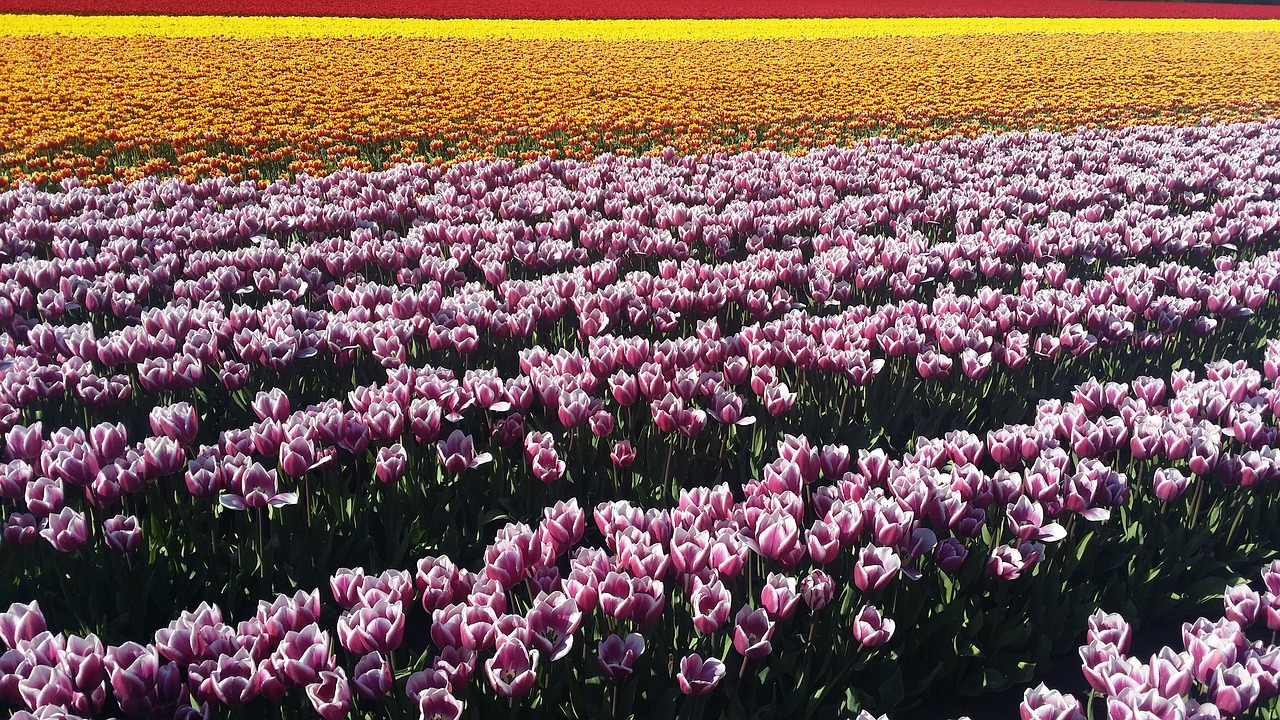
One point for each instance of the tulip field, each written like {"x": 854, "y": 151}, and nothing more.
{"x": 656, "y": 362}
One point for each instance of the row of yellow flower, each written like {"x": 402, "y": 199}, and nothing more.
{"x": 479, "y": 29}
{"x": 118, "y": 107}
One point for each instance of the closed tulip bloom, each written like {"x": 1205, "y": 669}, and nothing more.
{"x": 108, "y": 441}
{"x": 870, "y": 628}
{"x": 617, "y": 657}
{"x": 1110, "y": 628}
{"x": 67, "y": 531}
{"x": 779, "y": 597}
{"x": 698, "y": 676}
{"x": 285, "y": 613}
{"x": 823, "y": 541}
{"x": 752, "y": 633}
{"x": 1169, "y": 484}
{"x": 1041, "y": 703}
{"x": 1233, "y": 689}
{"x": 122, "y": 534}
{"x": 20, "y": 623}
{"x": 647, "y": 600}
{"x": 1270, "y": 607}
{"x": 24, "y": 442}
{"x": 564, "y": 523}
{"x": 777, "y": 536}
{"x": 179, "y": 422}
{"x": 234, "y": 679}
{"x": 623, "y": 454}
{"x": 439, "y": 704}
{"x": 330, "y": 694}
{"x": 46, "y": 687}
{"x": 512, "y": 670}
{"x": 45, "y": 496}
{"x": 1169, "y": 673}
{"x": 1242, "y": 604}
{"x": 297, "y": 456}
{"x": 391, "y": 463}
{"x": 372, "y": 677}
{"x": 1271, "y": 577}
{"x": 378, "y": 628}
{"x": 302, "y": 655}
{"x": 135, "y": 673}
{"x": 817, "y": 589}
{"x": 1133, "y": 704}
{"x": 876, "y": 568}
{"x": 950, "y": 554}
{"x": 1210, "y": 653}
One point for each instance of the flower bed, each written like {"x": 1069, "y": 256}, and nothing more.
{"x": 851, "y": 427}
{"x": 124, "y": 107}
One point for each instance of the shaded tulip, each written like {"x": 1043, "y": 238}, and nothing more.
{"x": 617, "y": 657}
{"x": 122, "y": 534}
{"x": 698, "y": 676}
{"x": 870, "y": 629}
{"x": 330, "y": 694}
{"x": 752, "y": 632}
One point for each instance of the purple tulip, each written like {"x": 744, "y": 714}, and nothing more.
{"x": 391, "y": 463}
{"x": 1242, "y": 604}
{"x": 274, "y": 404}
{"x": 552, "y": 621}
{"x": 876, "y": 568}
{"x": 698, "y": 676}
{"x": 45, "y": 497}
{"x": 439, "y": 704}
{"x": 303, "y": 654}
{"x": 108, "y": 441}
{"x": 870, "y": 629}
{"x": 1041, "y": 703}
{"x": 297, "y": 456}
{"x": 46, "y": 687}
{"x": 23, "y": 442}
{"x": 1110, "y": 629}
{"x": 457, "y": 453}
{"x": 511, "y": 671}
{"x": 623, "y": 454}
{"x": 779, "y": 596}
{"x": 372, "y": 677}
{"x": 178, "y": 421}
{"x": 817, "y": 589}
{"x": 20, "y": 623}
{"x": 67, "y": 531}
{"x": 752, "y": 633}
{"x": 1133, "y": 704}
{"x": 122, "y": 534}
{"x": 378, "y": 628}
{"x": 710, "y": 604}
{"x": 256, "y": 487}
{"x": 1233, "y": 689}
{"x": 1169, "y": 673}
{"x": 1169, "y": 484}
{"x": 617, "y": 657}
{"x": 330, "y": 694}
